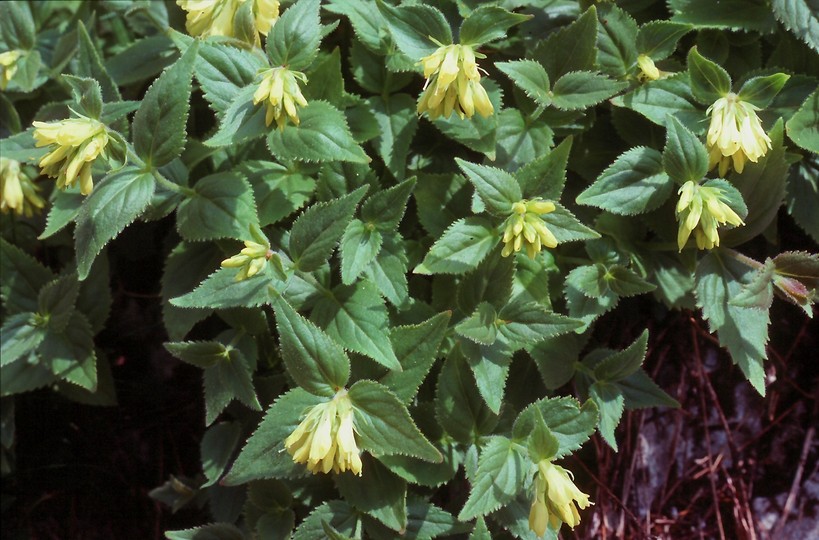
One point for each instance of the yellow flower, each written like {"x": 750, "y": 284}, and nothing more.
{"x": 17, "y": 192}
{"x": 735, "y": 134}
{"x": 525, "y": 227}
{"x": 556, "y": 499}
{"x": 250, "y": 260}
{"x": 453, "y": 84}
{"x": 75, "y": 144}
{"x": 325, "y": 439}
{"x": 280, "y": 90}
{"x": 700, "y": 210}
{"x": 8, "y": 66}
{"x": 215, "y": 17}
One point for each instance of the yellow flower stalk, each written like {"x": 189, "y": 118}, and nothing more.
{"x": 735, "y": 134}
{"x": 8, "y": 66}
{"x": 556, "y": 499}
{"x": 18, "y": 193}
{"x": 250, "y": 260}
{"x": 701, "y": 210}
{"x": 453, "y": 84}
{"x": 215, "y": 17}
{"x": 325, "y": 439}
{"x": 280, "y": 92}
{"x": 75, "y": 144}
{"x": 525, "y": 227}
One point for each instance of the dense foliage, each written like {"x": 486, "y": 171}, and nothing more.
{"x": 401, "y": 223}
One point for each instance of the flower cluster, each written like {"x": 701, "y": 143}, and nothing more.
{"x": 216, "y": 17}
{"x": 325, "y": 439}
{"x": 735, "y": 134}
{"x": 8, "y": 66}
{"x": 250, "y": 260}
{"x": 700, "y": 210}
{"x": 280, "y": 92}
{"x": 75, "y": 144}
{"x": 17, "y": 192}
{"x": 453, "y": 84}
{"x": 556, "y": 499}
{"x": 526, "y": 227}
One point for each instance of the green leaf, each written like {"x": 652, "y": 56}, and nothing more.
{"x": 458, "y": 405}
{"x": 384, "y": 425}
{"x": 388, "y": 271}
{"x": 113, "y": 205}
{"x": 89, "y": 64}
{"x": 476, "y": 133}
{"x": 572, "y": 48}
{"x": 416, "y": 348}
{"x": 490, "y": 367}
{"x": 684, "y": 157}
{"x": 70, "y": 354}
{"x": 231, "y": 378}
{"x": 65, "y": 206}
{"x": 378, "y": 492}
{"x": 490, "y": 282}
{"x": 803, "y": 126}
{"x": 316, "y": 362}
{"x": 160, "y": 123}
{"x": 625, "y": 282}
{"x": 277, "y": 190}
{"x": 384, "y": 209}
{"x": 202, "y": 354}
{"x": 413, "y": 27}
{"x": 748, "y": 15}
{"x": 221, "y": 290}
{"x": 317, "y": 230}
{"x": 760, "y": 91}
{"x": 541, "y": 443}
{"x": 17, "y": 25}
{"x": 488, "y": 23}
{"x": 224, "y": 71}
{"x": 610, "y": 403}
{"x": 801, "y": 18}
{"x": 20, "y": 337}
{"x": 545, "y": 176}
{"x": 570, "y": 423}
{"x": 359, "y": 247}
{"x": 709, "y": 81}
{"x": 481, "y": 326}
{"x": 56, "y": 301}
{"x": 94, "y": 300}
{"x": 635, "y": 183}
{"x": 294, "y": 39}
{"x": 356, "y": 317}
{"x": 502, "y": 470}
{"x": 527, "y": 323}
{"x": 579, "y": 90}
{"x": 398, "y": 123}
{"x": 529, "y": 76}
{"x": 480, "y": 532}
{"x": 213, "y": 531}
{"x": 641, "y": 392}
{"x": 216, "y": 449}
{"x": 322, "y": 135}
{"x": 566, "y": 227}
{"x": 658, "y": 39}
{"x": 87, "y": 95}
{"x": 367, "y": 22}
{"x": 497, "y": 189}
{"x": 220, "y": 205}
{"x": 556, "y": 359}
{"x": 616, "y": 41}
{"x": 21, "y": 278}
{"x": 620, "y": 365}
{"x": 242, "y": 120}
{"x": 338, "y": 514}
{"x": 743, "y": 331}
{"x": 461, "y": 248}
{"x": 659, "y": 100}
{"x": 264, "y": 456}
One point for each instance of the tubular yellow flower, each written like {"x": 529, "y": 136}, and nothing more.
{"x": 250, "y": 260}
{"x": 325, "y": 439}
{"x": 556, "y": 499}
{"x": 215, "y": 17}
{"x": 453, "y": 84}
{"x": 8, "y": 66}
{"x": 280, "y": 91}
{"x": 700, "y": 210}
{"x": 75, "y": 144}
{"x": 735, "y": 134}
{"x": 526, "y": 227}
{"x": 18, "y": 193}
